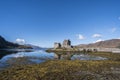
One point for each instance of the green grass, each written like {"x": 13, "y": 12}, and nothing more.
{"x": 64, "y": 70}
{"x": 110, "y": 56}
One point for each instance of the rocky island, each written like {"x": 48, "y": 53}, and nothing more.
{"x": 112, "y": 45}
{"x": 65, "y": 46}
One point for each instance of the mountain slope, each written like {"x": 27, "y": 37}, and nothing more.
{"x": 113, "y": 43}
{"x": 34, "y": 46}
{"x": 6, "y": 44}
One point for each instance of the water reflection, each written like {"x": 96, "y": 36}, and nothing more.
{"x": 13, "y": 57}
{"x": 35, "y": 54}
{"x": 76, "y": 56}
{"x": 6, "y": 52}
{"x": 63, "y": 56}
{"x": 41, "y": 54}
{"x": 86, "y": 57}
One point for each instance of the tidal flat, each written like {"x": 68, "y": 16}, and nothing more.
{"x": 65, "y": 69}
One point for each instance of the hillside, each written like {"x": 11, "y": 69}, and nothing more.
{"x": 113, "y": 43}
{"x": 4, "y": 44}
{"x": 35, "y": 47}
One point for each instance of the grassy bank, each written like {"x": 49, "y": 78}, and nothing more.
{"x": 110, "y": 56}
{"x": 65, "y": 70}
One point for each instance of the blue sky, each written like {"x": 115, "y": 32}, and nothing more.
{"x": 43, "y": 22}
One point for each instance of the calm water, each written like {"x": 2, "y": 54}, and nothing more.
{"x": 13, "y": 57}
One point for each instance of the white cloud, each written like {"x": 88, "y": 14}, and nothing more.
{"x": 20, "y": 41}
{"x": 81, "y": 37}
{"x": 113, "y": 30}
{"x": 97, "y": 35}
{"x": 98, "y": 40}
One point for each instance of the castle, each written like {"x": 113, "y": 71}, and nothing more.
{"x": 65, "y": 44}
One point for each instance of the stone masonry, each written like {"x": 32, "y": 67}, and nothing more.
{"x": 57, "y": 45}
{"x": 66, "y": 44}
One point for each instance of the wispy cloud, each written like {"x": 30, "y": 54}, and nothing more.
{"x": 113, "y": 29}
{"x": 98, "y": 40}
{"x": 20, "y": 41}
{"x": 80, "y": 36}
{"x": 96, "y": 35}
{"x": 119, "y": 18}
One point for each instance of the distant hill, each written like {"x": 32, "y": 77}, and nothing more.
{"x": 113, "y": 43}
{"x": 34, "y": 46}
{"x": 4, "y": 44}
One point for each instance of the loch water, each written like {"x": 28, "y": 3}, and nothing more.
{"x": 22, "y": 56}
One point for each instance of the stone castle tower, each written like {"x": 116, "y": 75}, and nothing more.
{"x": 57, "y": 45}
{"x": 66, "y": 44}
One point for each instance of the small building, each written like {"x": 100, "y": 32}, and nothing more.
{"x": 57, "y": 45}
{"x": 66, "y": 44}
